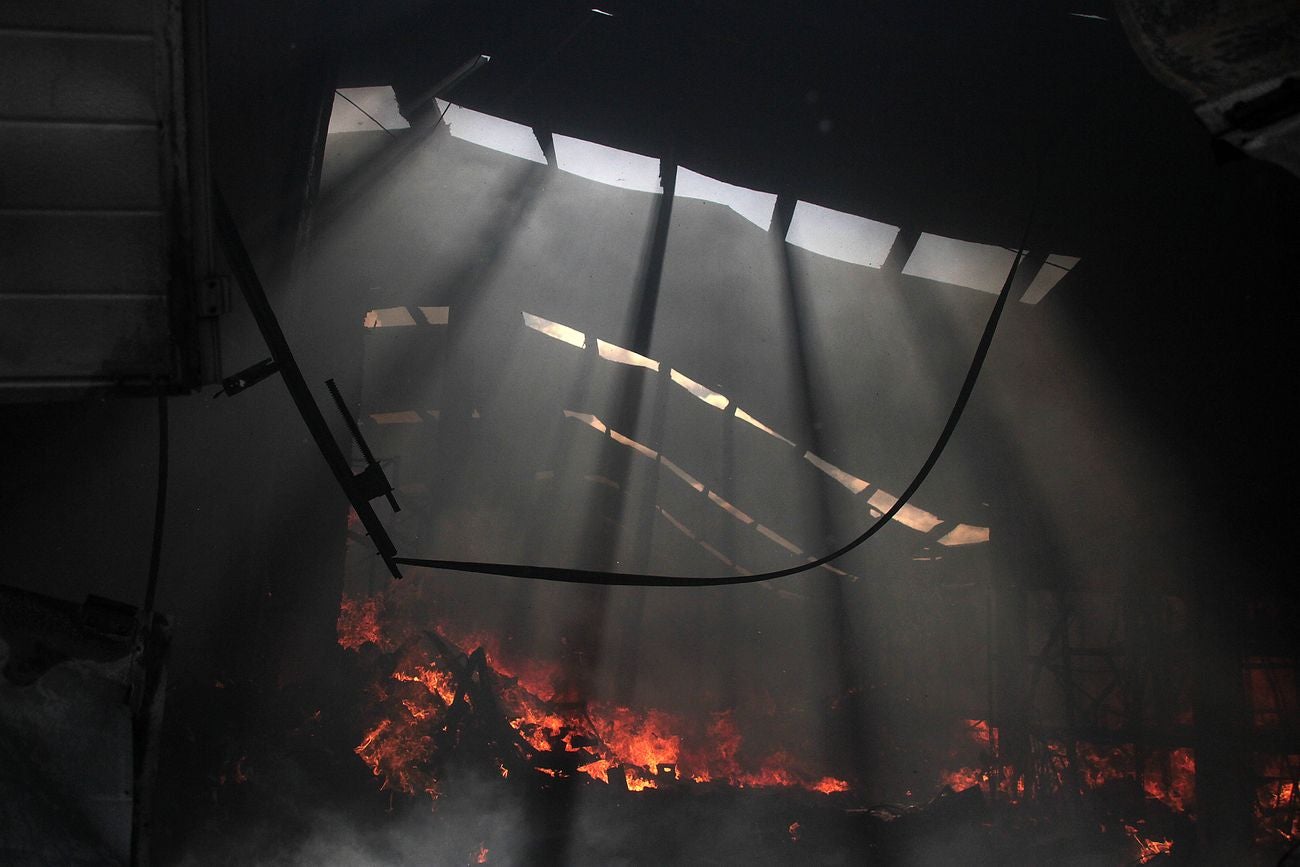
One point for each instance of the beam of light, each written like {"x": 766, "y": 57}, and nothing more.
{"x": 607, "y": 165}
{"x": 708, "y": 395}
{"x": 588, "y": 419}
{"x": 841, "y": 236}
{"x": 848, "y": 480}
{"x": 965, "y": 534}
{"x": 746, "y": 417}
{"x": 779, "y": 539}
{"x": 1053, "y": 269}
{"x": 406, "y": 416}
{"x": 563, "y": 333}
{"x": 682, "y": 474}
{"x": 963, "y": 263}
{"x": 603, "y": 480}
{"x": 909, "y": 516}
{"x": 436, "y": 315}
{"x": 756, "y": 207}
{"x": 380, "y": 103}
{"x": 730, "y": 509}
{"x": 498, "y": 134}
{"x": 633, "y": 444}
{"x": 602, "y": 12}
{"x": 1089, "y": 15}
{"x": 543, "y": 475}
{"x": 610, "y": 352}
{"x": 388, "y": 317}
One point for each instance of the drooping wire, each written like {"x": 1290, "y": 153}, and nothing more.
{"x": 629, "y": 579}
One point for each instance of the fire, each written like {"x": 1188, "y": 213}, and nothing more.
{"x": 963, "y": 778}
{"x": 1149, "y": 850}
{"x": 481, "y": 856}
{"x": 432, "y": 677}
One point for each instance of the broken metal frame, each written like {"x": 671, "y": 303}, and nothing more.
{"x": 359, "y": 488}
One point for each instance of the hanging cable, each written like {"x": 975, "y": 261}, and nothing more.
{"x": 630, "y": 579}
{"x": 159, "y": 511}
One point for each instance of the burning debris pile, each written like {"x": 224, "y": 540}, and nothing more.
{"x": 433, "y": 700}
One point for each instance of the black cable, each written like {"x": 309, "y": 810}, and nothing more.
{"x": 587, "y": 576}
{"x": 160, "y": 510}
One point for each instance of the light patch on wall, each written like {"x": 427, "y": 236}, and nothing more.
{"x": 633, "y": 444}
{"x": 1048, "y": 276}
{"x": 407, "y": 416}
{"x": 909, "y": 515}
{"x": 840, "y": 236}
{"x": 965, "y": 534}
{"x": 499, "y": 134}
{"x": 436, "y": 315}
{"x": 434, "y": 414}
{"x": 388, "y": 317}
{"x": 586, "y": 418}
{"x": 746, "y": 417}
{"x": 378, "y": 102}
{"x": 607, "y": 165}
{"x": 779, "y": 539}
{"x": 682, "y": 474}
{"x": 708, "y": 395}
{"x": 963, "y": 263}
{"x": 755, "y": 206}
{"x": 544, "y": 475}
{"x": 848, "y": 480}
{"x": 602, "y": 480}
{"x": 563, "y": 333}
{"x": 610, "y": 352}
{"x": 730, "y": 509}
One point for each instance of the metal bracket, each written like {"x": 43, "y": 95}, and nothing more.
{"x": 214, "y": 295}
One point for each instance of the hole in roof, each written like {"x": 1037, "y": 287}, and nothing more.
{"x": 746, "y": 417}
{"x": 848, "y": 480}
{"x": 730, "y": 509}
{"x": 563, "y": 333}
{"x": 378, "y": 102}
{"x": 840, "y": 236}
{"x": 963, "y": 263}
{"x": 909, "y": 516}
{"x": 708, "y": 395}
{"x": 965, "y": 534}
{"x": 779, "y": 539}
{"x": 610, "y": 352}
{"x": 388, "y": 317}
{"x": 607, "y": 165}
{"x": 407, "y": 416}
{"x": 587, "y": 419}
{"x": 436, "y": 315}
{"x": 754, "y": 206}
{"x": 1048, "y": 276}
{"x": 496, "y": 133}
{"x": 682, "y": 474}
{"x": 633, "y": 444}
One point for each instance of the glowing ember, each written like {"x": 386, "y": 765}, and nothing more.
{"x": 794, "y": 831}
{"x": 1149, "y": 850}
{"x": 481, "y": 856}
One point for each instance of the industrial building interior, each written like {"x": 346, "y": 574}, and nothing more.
{"x": 637, "y": 304}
